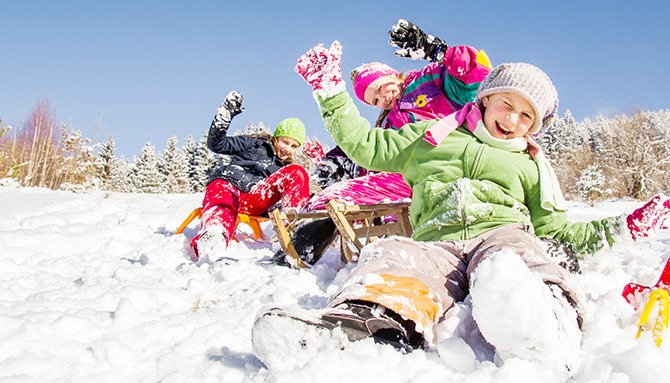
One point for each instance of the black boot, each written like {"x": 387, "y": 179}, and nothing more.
{"x": 360, "y": 319}
{"x": 310, "y": 239}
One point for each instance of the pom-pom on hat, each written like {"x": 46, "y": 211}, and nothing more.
{"x": 291, "y": 127}
{"x": 364, "y": 75}
{"x": 529, "y": 82}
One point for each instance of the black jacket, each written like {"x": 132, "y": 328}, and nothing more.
{"x": 247, "y": 159}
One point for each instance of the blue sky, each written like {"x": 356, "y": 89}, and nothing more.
{"x": 142, "y": 70}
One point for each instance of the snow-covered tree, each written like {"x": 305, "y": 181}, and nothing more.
{"x": 173, "y": 167}
{"x": 254, "y": 129}
{"x": 78, "y": 170}
{"x": 633, "y": 151}
{"x": 145, "y": 175}
{"x": 108, "y": 167}
{"x": 591, "y": 184}
{"x": 199, "y": 162}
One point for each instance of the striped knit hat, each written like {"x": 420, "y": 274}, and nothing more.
{"x": 364, "y": 75}
{"x": 529, "y": 82}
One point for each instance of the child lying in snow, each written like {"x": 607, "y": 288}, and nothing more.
{"x": 482, "y": 194}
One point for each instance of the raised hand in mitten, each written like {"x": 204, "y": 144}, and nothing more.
{"x": 231, "y": 107}
{"x": 415, "y": 43}
{"x": 321, "y": 69}
{"x": 650, "y": 218}
{"x": 313, "y": 150}
{"x": 233, "y": 103}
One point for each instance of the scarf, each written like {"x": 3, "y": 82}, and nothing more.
{"x": 550, "y": 189}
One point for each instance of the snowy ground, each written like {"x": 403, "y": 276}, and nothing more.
{"x": 97, "y": 287}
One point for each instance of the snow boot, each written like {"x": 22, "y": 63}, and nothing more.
{"x": 209, "y": 245}
{"x": 522, "y": 317}
{"x": 359, "y": 320}
{"x": 310, "y": 239}
{"x": 285, "y": 340}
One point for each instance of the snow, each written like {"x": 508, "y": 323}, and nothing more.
{"x": 97, "y": 286}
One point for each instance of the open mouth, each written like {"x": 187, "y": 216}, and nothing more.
{"x": 502, "y": 130}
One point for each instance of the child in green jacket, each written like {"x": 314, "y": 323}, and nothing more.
{"x": 482, "y": 194}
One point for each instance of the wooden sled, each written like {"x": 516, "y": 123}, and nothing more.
{"x": 356, "y": 224}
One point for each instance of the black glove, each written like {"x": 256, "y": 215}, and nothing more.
{"x": 414, "y": 43}
{"x": 231, "y": 107}
{"x": 233, "y": 103}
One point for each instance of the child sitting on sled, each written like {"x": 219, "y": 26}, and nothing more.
{"x": 482, "y": 194}
{"x": 259, "y": 172}
{"x": 442, "y": 87}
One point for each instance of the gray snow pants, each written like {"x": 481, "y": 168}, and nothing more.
{"x": 420, "y": 281}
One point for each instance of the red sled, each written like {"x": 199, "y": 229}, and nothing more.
{"x": 633, "y": 290}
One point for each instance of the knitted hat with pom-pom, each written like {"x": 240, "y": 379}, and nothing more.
{"x": 529, "y": 82}
{"x": 364, "y": 75}
{"x": 291, "y": 127}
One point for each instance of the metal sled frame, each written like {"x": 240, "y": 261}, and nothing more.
{"x": 356, "y": 225}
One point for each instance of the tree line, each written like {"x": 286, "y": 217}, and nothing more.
{"x": 609, "y": 157}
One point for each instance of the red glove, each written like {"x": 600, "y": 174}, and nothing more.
{"x": 650, "y": 218}
{"x": 314, "y": 150}
{"x": 321, "y": 68}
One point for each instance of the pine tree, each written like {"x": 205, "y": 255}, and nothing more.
{"x": 107, "y": 166}
{"x": 172, "y": 166}
{"x": 145, "y": 175}
{"x": 189, "y": 154}
{"x": 204, "y": 162}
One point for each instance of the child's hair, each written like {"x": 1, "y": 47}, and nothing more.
{"x": 529, "y": 82}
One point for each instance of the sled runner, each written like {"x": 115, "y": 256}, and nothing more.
{"x": 632, "y": 289}
{"x": 254, "y": 222}
{"x": 656, "y": 298}
{"x": 356, "y": 224}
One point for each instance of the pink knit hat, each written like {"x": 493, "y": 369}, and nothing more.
{"x": 366, "y": 74}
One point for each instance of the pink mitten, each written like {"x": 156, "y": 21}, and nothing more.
{"x": 321, "y": 68}
{"x": 650, "y": 218}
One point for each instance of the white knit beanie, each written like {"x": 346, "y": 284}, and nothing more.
{"x": 529, "y": 82}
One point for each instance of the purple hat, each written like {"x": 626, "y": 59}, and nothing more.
{"x": 366, "y": 74}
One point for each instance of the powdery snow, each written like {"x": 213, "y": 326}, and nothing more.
{"x": 97, "y": 287}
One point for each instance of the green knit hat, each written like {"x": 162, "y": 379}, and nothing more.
{"x": 293, "y": 128}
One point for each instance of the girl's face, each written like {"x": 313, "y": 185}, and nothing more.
{"x": 507, "y": 115}
{"x": 383, "y": 92}
{"x": 285, "y": 147}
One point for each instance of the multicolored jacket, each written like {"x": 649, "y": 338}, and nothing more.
{"x": 461, "y": 187}
{"x": 440, "y": 89}
{"x": 436, "y": 91}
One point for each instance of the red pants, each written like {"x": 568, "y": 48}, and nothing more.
{"x": 223, "y": 201}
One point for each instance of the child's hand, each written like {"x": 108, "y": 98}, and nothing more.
{"x": 414, "y": 43}
{"x": 650, "y": 218}
{"x": 313, "y": 150}
{"x": 321, "y": 68}
{"x": 233, "y": 103}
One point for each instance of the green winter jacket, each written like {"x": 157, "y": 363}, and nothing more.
{"x": 462, "y": 187}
